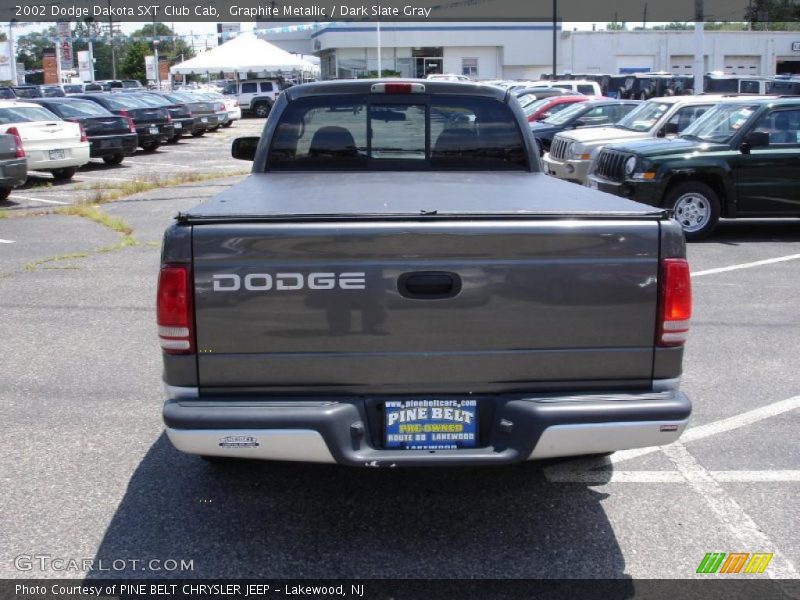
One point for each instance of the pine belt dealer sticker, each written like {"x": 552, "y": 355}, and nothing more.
{"x": 238, "y": 441}
{"x": 430, "y": 424}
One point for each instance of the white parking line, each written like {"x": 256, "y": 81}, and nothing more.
{"x": 729, "y": 512}
{"x": 750, "y": 265}
{"x": 692, "y": 434}
{"x": 6, "y": 241}
{"x": 83, "y": 176}
{"x": 18, "y": 197}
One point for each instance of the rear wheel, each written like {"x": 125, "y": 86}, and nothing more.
{"x": 151, "y": 146}
{"x": 174, "y": 139}
{"x": 696, "y": 207}
{"x": 261, "y": 110}
{"x": 5, "y": 192}
{"x": 64, "y": 174}
{"x": 200, "y": 133}
{"x": 114, "y": 160}
{"x": 228, "y": 124}
{"x": 214, "y": 128}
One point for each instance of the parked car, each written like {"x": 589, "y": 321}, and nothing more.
{"x": 540, "y": 92}
{"x": 578, "y": 86}
{"x": 73, "y": 88}
{"x": 644, "y": 86}
{"x": 544, "y": 108}
{"x": 255, "y": 96}
{"x": 740, "y": 160}
{"x": 592, "y": 113}
{"x": 153, "y": 123}
{"x": 571, "y": 152}
{"x": 343, "y": 316}
{"x": 202, "y": 111}
{"x": 111, "y": 137}
{"x": 717, "y": 83}
{"x": 183, "y": 121}
{"x": 13, "y": 163}
{"x": 446, "y": 77}
{"x": 219, "y": 108}
{"x": 38, "y": 91}
{"x": 7, "y": 93}
{"x": 134, "y": 84}
{"x": 50, "y": 143}
{"x": 232, "y": 108}
{"x": 784, "y": 87}
{"x": 110, "y": 84}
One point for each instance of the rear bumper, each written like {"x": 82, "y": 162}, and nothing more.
{"x": 109, "y": 145}
{"x": 147, "y": 135}
{"x": 347, "y": 431}
{"x": 13, "y": 172}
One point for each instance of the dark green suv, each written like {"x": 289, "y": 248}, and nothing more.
{"x": 741, "y": 159}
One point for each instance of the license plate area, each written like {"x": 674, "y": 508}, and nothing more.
{"x": 57, "y": 154}
{"x": 430, "y": 424}
{"x": 154, "y": 131}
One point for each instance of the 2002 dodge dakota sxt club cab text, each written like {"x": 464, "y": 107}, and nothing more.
{"x": 397, "y": 283}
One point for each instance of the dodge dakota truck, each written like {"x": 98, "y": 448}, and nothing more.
{"x": 397, "y": 283}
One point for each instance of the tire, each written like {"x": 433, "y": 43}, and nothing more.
{"x": 622, "y": 93}
{"x": 261, "y": 110}
{"x": 643, "y": 96}
{"x": 228, "y": 124}
{"x": 5, "y": 192}
{"x": 200, "y": 133}
{"x": 151, "y": 146}
{"x": 696, "y": 207}
{"x": 115, "y": 159}
{"x": 174, "y": 139}
{"x": 64, "y": 174}
{"x": 213, "y": 129}
{"x": 669, "y": 92}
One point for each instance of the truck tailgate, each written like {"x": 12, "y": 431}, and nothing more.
{"x": 408, "y": 306}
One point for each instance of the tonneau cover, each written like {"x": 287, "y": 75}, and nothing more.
{"x": 354, "y": 195}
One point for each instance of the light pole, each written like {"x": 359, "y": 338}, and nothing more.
{"x": 699, "y": 63}
{"x": 555, "y": 41}
{"x": 13, "y": 54}
{"x": 111, "y": 43}
{"x": 155, "y": 55}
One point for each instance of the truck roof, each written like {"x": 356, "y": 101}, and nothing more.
{"x": 364, "y": 86}
{"x": 307, "y": 196}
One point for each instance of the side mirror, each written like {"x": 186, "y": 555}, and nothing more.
{"x": 579, "y": 123}
{"x": 244, "y": 148}
{"x": 756, "y": 139}
{"x": 671, "y": 129}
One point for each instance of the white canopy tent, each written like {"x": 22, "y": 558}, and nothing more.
{"x": 243, "y": 54}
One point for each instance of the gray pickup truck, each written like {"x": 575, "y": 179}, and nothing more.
{"x": 397, "y": 283}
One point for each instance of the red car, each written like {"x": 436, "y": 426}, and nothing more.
{"x": 538, "y": 110}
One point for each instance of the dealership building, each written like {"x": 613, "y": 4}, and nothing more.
{"x": 524, "y": 50}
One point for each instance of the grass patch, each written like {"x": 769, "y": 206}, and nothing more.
{"x": 3, "y": 213}
{"x": 103, "y": 194}
{"x": 91, "y": 212}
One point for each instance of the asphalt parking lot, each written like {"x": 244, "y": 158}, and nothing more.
{"x": 87, "y": 473}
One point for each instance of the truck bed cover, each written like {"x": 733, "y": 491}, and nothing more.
{"x": 304, "y": 196}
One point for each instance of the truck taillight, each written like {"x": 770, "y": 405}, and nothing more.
{"x": 174, "y": 309}
{"x": 131, "y": 125}
{"x": 84, "y": 138}
{"x": 19, "y": 150}
{"x": 675, "y": 303}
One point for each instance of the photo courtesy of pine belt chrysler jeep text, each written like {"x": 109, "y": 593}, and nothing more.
{"x": 398, "y": 283}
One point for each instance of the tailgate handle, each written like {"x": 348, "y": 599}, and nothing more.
{"x": 429, "y": 285}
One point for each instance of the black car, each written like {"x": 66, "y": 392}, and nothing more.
{"x": 13, "y": 164}
{"x": 202, "y": 110}
{"x": 182, "y": 118}
{"x": 111, "y": 137}
{"x": 739, "y": 160}
{"x": 7, "y": 93}
{"x": 583, "y": 114}
{"x": 153, "y": 124}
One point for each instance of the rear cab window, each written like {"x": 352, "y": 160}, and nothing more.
{"x": 370, "y": 132}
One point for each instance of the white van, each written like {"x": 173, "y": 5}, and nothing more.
{"x": 580, "y": 86}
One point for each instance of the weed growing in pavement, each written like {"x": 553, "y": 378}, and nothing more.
{"x": 104, "y": 193}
